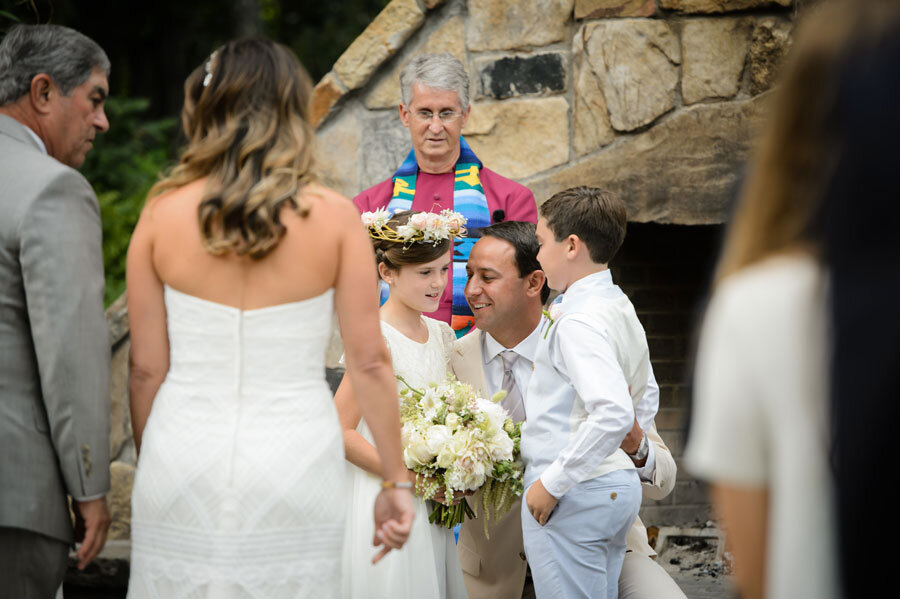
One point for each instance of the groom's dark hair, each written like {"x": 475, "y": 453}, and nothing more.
{"x": 521, "y": 236}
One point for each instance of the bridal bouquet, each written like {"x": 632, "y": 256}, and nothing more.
{"x": 456, "y": 440}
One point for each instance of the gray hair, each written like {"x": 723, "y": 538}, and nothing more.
{"x": 437, "y": 71}
{"x": 67, "y": 56}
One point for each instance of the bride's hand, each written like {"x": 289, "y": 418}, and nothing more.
{"x": 393, "y": 520}
{"x": 439, "y": 495}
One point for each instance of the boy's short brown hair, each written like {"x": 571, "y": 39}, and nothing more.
{"x": 595, "y": 215}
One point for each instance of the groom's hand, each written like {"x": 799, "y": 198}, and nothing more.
{"x": 393, "y": 520}
{"x": 540, "y": 502}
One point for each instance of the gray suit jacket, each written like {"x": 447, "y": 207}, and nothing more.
{"x": 54, "y": 348}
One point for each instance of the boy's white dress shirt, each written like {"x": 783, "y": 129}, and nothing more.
{"x": 590, "y": 380}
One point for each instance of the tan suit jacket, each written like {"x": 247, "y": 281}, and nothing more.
{"x": 495, "y": 568}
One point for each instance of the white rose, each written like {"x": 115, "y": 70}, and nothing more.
{"x": 500, "y": 446}
{"x": 369, "y": 218}
{"x": 467, "y": 473}
{"x": 436, "y": 437}
{"x": 454, "y": 449}
{"x": 419, "y": 221}
{"x": 555, "y": 311}
{"x": 405, "y": 232}
{"x": 417, "y": 452}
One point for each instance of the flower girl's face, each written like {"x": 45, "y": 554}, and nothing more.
{"x": 420, "y": 286}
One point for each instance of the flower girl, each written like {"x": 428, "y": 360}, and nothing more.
{"x": 413, "y": 253}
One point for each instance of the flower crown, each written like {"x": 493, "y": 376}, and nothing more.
{"x": 423, "y": 226}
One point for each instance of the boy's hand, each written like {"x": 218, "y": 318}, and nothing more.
{"x": 540, "y": 502}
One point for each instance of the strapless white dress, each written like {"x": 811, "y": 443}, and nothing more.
{"x": 240, "y": 486}
{"x": 427, "y": 567}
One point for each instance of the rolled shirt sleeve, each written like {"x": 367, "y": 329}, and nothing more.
{"x": 581, "y": 351}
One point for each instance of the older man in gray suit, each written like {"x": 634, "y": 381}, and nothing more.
{"x": 54, "y": 351}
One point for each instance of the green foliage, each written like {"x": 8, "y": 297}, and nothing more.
{"x": 124, "y": 164}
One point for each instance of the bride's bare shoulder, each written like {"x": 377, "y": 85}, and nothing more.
{"x": 324, "y": 202}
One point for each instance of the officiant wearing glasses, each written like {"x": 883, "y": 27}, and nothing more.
{"x": 442, "y": 172}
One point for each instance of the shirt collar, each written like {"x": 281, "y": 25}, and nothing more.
{"x": 527, "y": 347}
{"x": 37, "y": 139}
{"x": 587, "y": 286}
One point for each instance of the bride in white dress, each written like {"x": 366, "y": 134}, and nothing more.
{"x": 235, "y": 270}
{"x": 427, "y": 567}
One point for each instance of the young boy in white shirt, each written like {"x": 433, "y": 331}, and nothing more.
{"x": 591, "y": 370}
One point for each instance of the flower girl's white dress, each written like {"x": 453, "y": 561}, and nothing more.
{"x": 427, "y": 566}
{"x": 241, "y": 484}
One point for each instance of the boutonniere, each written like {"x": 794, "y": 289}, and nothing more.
{"x": 552, "y": 315}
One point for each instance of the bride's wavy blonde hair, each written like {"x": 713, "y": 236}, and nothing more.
{"x": 246, "y": 119}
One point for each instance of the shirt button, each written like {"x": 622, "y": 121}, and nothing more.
{"x": 522, "y": 555}
{"x": 437, "y": 197}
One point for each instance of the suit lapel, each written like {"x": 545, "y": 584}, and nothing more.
{"x": 467, "y": 363}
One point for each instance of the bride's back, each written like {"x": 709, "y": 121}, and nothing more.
{"x": 239, "y": 220}
{"x": 302, "y": 265}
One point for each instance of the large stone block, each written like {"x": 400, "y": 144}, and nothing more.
{"x": 337, "y": 153}
{"x": 326, "y": 94}
{"x": 522, "y": 75}
{"x": 769, "y": 43}
{"x": 718, "y": 6}
{"x": 385, "y": 143}
{"x": 520, "y": 138}
{"x": 602, "y": 9}
{"x": 449, "y": 37}
{"x": 119, "y": 412}
{"x": 681, "y": 171}
{"x": 121, "y": 477}
{"x": 591, "y": 128}
{"x": 380, "y": 40}
{"x": 714, "y": 52}
{"x": 511, "y": 24}
{"x": 635, "y": 61}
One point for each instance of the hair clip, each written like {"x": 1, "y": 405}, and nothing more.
{"x": 208, "y": 68}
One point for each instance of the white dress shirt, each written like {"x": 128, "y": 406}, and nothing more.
{"x": 37, "y": 138}
{"x": 592, "y": 376}
{"x": 493, "y": 362}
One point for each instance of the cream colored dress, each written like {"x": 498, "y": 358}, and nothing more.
{"x": 427, "y": 566}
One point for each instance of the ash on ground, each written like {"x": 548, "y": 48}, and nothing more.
{"x": 694, "y": 555}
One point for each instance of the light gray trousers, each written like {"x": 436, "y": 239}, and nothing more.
{"x": 32, "y": 565}
{"x": 578, "y": 553}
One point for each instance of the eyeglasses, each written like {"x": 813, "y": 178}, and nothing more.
{"x": 446, "y": 116}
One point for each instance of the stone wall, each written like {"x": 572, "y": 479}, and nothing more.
{"x": 657, "y": 100}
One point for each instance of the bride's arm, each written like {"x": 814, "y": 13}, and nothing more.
{"x": 149, "y": 354}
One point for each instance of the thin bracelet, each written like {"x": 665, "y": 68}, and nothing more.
{"x": 392, "y": 484}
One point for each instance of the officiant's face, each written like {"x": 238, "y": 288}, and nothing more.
{"x": 495, "y": 291}
{"x": 436, "y": 139}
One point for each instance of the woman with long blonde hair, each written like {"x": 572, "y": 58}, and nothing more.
{"x": 235, "y": 270}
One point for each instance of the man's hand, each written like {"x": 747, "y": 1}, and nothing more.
{"x": 91, "y": 524}
{"x": 393, "y": 520}
{"x": 540, "y": 502}
{"x": 633, "y": 439}
{"x": 440, "y": 495}
{"x": 632, "y": 443}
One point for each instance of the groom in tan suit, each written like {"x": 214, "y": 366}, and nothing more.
{"x": 506, "y": 292}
